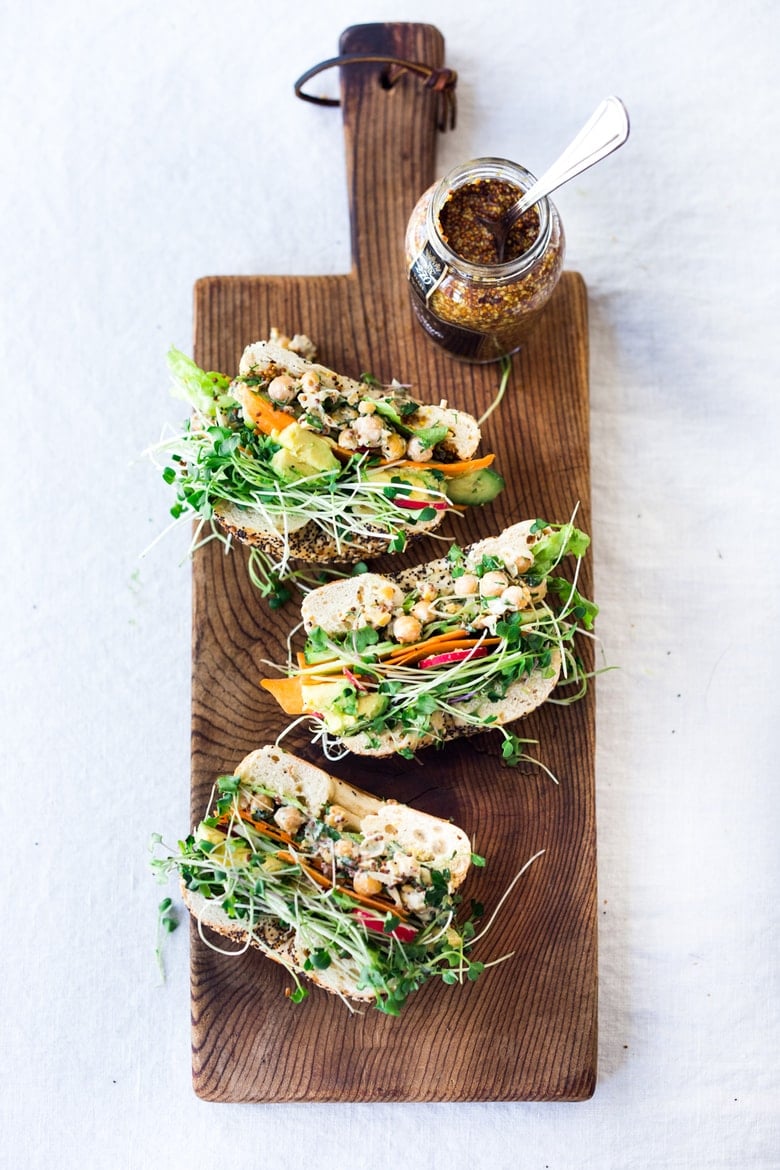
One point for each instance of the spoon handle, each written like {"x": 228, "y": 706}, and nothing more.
{"x": 606, "y": 130}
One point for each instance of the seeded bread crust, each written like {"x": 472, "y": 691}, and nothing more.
{"x": 441, "y": 844}
{"x": 309, "y": 542}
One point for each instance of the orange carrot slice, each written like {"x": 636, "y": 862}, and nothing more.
{"x": 263, "y": 827}
{"x": 264, "y": 416}
{"x": 287, "y": 692}
{"x": 373, "y": 903}
{"x": 463, "y": 467}
{"x": 430, "y": 647}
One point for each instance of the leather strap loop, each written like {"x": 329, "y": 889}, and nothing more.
{"x": 441, "y": 81}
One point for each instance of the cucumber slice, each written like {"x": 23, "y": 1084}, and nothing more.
{"x": 477, "y": 487}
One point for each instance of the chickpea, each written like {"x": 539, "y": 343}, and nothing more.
{"x": 345, "y": 847}
{"x": 423, "y": 612}
{"x": 428, "y": 592}
{"x": 393, "y": 446}
{"x": 368, "y": 430}
{"x": 289, "y": 819}
{"x": 523, "y": 564}
{"x": 538, "y": 592}
{"x": 367, "y": 406}
{"x": 417, "y": 452}
{"x": 493, "y": 584}
{"x": 366, "y": 884}
{"x": 516, "y": 597}
{"x": 260, "y": 802}
{"x": 281, "y": 389}
{"x": 348, "y": 439}
{"x": 407, "y": 628}
{"x": 310, "y": 380}
{"x": 466, "y": 585}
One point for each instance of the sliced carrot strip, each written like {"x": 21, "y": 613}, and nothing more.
{"x": 380, "y": 904}
{"x": 463, "y": 467}
{"x": 261, "y": 826}
{"x": 314, "y": 874}
{"x": 434, "y": 640}
{"x": 287, "y": 692}
{"x": 265, "y": 417}
{"x": 374, "y": 903}
{"x": 424, "y": 649}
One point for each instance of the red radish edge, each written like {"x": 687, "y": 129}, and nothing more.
{"x": 453, "y": 656}
{"x": 402, "y": 932}
{"x": 405, "y": 502}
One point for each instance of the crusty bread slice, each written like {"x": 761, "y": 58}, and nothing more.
{"x": 439, "y": 844}
{"x": 333, "y": 607}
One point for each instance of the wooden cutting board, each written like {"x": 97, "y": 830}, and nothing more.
{"x": 526, "y": 1030}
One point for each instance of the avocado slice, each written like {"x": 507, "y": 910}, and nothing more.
{"x": 476, "y": 487}
{"x": 331, "y": 699}
{"x": 301, "y": 454}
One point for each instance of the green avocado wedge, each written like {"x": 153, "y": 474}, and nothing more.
{"x": 476, "y": 487}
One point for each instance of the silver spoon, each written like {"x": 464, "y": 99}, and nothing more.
{"x": 605, "y": 130}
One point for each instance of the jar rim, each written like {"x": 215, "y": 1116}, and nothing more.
{"x": 488, "y": 168}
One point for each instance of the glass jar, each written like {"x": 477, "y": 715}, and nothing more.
{"x": 469, "y": 303}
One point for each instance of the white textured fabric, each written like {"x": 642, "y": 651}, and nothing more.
{"x": 147, "y": 144}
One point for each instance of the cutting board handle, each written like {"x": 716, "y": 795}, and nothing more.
{"x": 388, "y": 171}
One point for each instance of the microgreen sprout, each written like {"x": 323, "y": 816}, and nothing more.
{"x": 167, "y": 921}
{"x": 506, "y": 369}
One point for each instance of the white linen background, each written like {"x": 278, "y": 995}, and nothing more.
{"x": 144, "y": 145}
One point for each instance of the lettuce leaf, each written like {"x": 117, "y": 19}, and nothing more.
{"x": 205, "y": 391}
{"x": 563, "y": 541}
{"x": 577, "y": 606}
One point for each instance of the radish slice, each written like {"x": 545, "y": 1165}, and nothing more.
{"x": 405, "y": 502}
{"x": 453, "y": 656}
{"x": 402, "y": 932}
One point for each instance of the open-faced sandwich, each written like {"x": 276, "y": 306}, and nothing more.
{"x": 355, "y": 893}
{"x": 301, "y": 462}
{"x": 457, "y": 646}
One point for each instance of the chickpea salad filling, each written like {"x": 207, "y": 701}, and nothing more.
{"x": 357, "y": 460}
{"x": 408, "y": 662}
{"x": 382, "y": 919}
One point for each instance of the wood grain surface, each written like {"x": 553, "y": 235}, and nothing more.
{"x": 526, "y": 1030}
